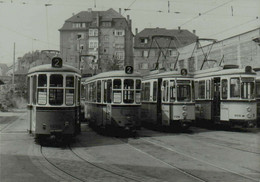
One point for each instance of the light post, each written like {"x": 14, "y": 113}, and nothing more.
{"x": 47, "y": 28}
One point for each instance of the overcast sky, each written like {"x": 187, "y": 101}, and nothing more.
{"x": 34, "y": 26}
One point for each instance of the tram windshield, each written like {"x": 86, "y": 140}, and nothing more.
{"x": 247, "y": 88}
{"x": 242, "y": 88}
{"x": 183, "y": 91}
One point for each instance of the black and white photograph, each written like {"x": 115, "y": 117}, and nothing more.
{"x": 129, "y": 90}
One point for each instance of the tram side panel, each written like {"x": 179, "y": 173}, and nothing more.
{"x": 238, "y": 111}
{"x": 149, "y": 112}
{"x": 203, "y": 110}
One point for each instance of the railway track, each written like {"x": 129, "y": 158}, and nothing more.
{"x": 194, "y": 177}
{"x": 164, "y": 146}
{"x": 87, "y": 169}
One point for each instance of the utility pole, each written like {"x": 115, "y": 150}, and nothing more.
{"x": 13, "y": 66}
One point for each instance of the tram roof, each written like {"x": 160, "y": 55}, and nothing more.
{"x": 111, "y": 74}
{"x": 166, "y": 74}
{"x": 49, "y": 68}
{"x": 219, "y": 71}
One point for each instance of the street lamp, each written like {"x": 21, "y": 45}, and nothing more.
{"x": 46, "y": 5}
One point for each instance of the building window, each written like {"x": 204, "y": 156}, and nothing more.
{"x": 143, "y": 40}
{"x": 93, "y": 32}
{"x": 145, "y": 53}
{"x": 119, "y": 32}
{"x": 80, "y": 36}
{"x": 78, "y": 25}
{"x": 106, "y": 24}
{"x": 144, "y": 66}
{"x": 106, "y": 38}
{"x": 93, "y": 44}
{"x": 119, "y": 46}
{"x": 120, "y": 55}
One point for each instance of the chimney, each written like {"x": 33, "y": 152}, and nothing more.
{"x": 120, "y": 11}
{"x": 128, "y": 17}
{"x": 89, "y": 10}
{"x": 194, "y": 32}
{"x": 136, "y": 31}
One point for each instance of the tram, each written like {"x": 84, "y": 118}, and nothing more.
{"x": 54, "y": 100}
{"x": 168, "y": 99}
{"x": 257, "y": 70}
{"x": 226, "y": 95}
{"x": 113, "y": 100}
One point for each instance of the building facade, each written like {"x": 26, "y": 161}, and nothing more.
{"x": 157, "y": 48}
{"x": 97, "y": 40}
{"x": 242, "y": 50}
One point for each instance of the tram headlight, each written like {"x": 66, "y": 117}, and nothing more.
{"x": 44, "y": 126}
{"x": 248, "y": 109}
{"x": 184, "y": 114}
{"x": 249, "y": 115}
{"x": 66, "y": 123}
{"x": 184, "y": 108}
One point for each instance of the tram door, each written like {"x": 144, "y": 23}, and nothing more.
{"x": 216, "y": 100}
{"x": 159, "y": 101}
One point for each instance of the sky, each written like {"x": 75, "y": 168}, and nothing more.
{"x": 33, "y": 25}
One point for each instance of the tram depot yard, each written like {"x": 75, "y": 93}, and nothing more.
{"x": 200, "y": 154}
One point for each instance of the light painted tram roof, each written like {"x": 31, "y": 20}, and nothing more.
{"x": 166, "y": 74}
{"x": 219, "y": 71}
{"x": 111, "y": 74}
{"x": 49, "y": 68}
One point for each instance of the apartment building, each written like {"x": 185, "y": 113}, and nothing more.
{"x": 97, "y": 41}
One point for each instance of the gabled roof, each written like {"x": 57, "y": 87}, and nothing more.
{"x": 182, "y": 37}
{"x": 89, "y": 16}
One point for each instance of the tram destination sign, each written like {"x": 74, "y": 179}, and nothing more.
{"x": 129, "y": 69}
{"x": 56, "y": 62}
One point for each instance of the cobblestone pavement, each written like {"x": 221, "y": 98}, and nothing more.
{"x": 197, "y": 155}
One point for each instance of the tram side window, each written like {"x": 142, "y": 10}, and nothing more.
{"x": 104, "y": 82}
{"x": 117, "y": 85}
{"x": 224, "y": 88}
{"x": 109, "y": 91}
{"x": 42, "y": 90}
{"x": 86, "y": 92}
{"x": 142, "y": 93}
{"x": 192, "y": 91}
{"x": 138, "y": 91}
{"x": 69, "y": 94}
{"x": 93, "y": 92}
{"x": 34, "y": 89}
{"x": 28, "y": 90}
{"x": 99, "y": 91}
{"x": 128, "y": 93}
{"x": 258, "y": 89}
{"x": 42, "y": 80}
{"x": 155, "y": 85}
{"x": 208, "y": 89}
{"x": 202, "y": 89}
{"x": 146, "y": 91}
{"x": 172, "y": 91}
{"x": 235, "y": 88}
{"x": 56, "y": 95}
{"x": 196, "y": 89}
{"x": 70, "y": 81}
{"x": 165, "y": 90}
